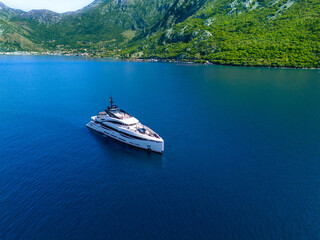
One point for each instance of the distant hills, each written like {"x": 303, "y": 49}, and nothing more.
{"x": 236, "y": 32}
{"x": 103, "y": 25}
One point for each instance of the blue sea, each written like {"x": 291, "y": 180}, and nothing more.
{"x": 241, "y": 160}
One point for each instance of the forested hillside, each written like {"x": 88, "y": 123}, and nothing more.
{"x": 251, "y": 32}
{"x": 13, "y": 36}
{"x": 102, "y": 26}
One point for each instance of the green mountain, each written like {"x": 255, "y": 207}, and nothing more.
{"x": 103, "y": 25}
{"x": 247, "y": 32}
{"x": 236, "y": 32}
{"x": 14, "y": 36}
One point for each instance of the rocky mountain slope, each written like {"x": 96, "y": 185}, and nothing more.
{"x": 102, "y": 25}
{"x": 238, "y": 32}
{"x": 13, "y": 36}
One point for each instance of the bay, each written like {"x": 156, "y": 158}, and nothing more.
{"x": 241, "y": 160}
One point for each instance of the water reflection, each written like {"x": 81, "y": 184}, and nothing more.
{"x": 119, "y": 151}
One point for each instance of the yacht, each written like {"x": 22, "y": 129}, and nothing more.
{"x": 118, "y": 124}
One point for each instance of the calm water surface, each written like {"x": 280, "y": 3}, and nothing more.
{"x": 241, "y": 161}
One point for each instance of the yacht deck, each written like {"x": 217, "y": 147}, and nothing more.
{"x": 141, "y": 129}
{"x": 118, "y": 113}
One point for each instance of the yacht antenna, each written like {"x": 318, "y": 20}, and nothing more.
{"x": 111, "y": 102}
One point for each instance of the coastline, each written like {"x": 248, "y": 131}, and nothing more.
{"x": 149, "y": 60}
{"x": 206, "y": 62}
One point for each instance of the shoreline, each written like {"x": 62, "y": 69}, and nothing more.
{"x": 206, "y": 62}
{"x": 148, "y": 60}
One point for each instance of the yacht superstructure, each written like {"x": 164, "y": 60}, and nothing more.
{"x": 118, "y": 124}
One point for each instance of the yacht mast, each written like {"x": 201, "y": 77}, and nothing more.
{"x": 111, "y": 102}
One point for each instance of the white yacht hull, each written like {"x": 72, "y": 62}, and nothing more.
{"x": 155, "y": 146}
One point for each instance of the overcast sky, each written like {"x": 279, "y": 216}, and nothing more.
{"x": 54, "y": 5}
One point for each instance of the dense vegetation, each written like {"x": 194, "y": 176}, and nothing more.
{"x": 236, "y": 32}
{"x": 101, "y": 26}
{"x": 259, "y": 33}
{"x": 104, "y": 25}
